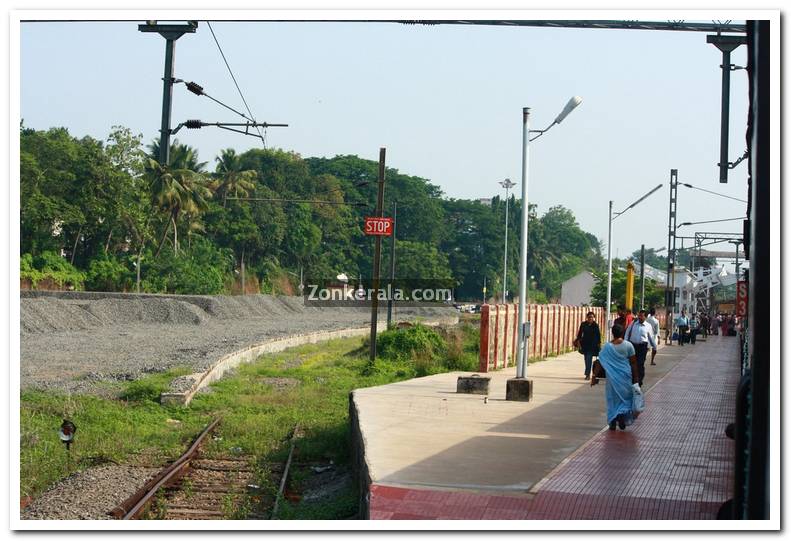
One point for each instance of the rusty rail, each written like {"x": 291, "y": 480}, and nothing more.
{"x": 133, "y": 507}
{"x": 284, "y": 479}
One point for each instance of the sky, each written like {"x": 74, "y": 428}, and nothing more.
{"x": 445, "y": 101}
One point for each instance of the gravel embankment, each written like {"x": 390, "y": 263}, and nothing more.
{"x": 75, "y": 342}
{"x": 88, "y": 495}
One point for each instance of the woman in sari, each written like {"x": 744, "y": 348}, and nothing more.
{"x": 618, "y": 359}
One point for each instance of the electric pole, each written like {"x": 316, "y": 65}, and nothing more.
{"x": 392, "y": 264}
{"x": 171, "y": 32}
{"x": 377, "y": 253}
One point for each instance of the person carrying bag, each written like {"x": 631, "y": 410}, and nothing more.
{"x": 588, "y": 341}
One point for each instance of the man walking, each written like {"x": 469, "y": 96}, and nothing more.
{"x": 654, "y": 322}
{"x": 641, "y": 335}
{"x": 693, "y": 329}
{"x": 683, "y": 326}
{"x": 624, "y": 318}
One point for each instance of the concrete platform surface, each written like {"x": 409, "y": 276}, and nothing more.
{"x": 421, "y": 433}
{"x": 674, "y": 463}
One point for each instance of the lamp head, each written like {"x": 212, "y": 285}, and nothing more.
{"x": 570, "y": 106}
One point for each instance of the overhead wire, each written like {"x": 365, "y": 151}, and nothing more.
{"x": 258, "y": 129}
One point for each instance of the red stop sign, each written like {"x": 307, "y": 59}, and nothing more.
{"x": 378, "y": 226}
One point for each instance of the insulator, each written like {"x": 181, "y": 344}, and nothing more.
{"x": 195, "y": 88}
{"x": 193, "y": 124}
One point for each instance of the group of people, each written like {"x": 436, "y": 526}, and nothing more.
{"x": 688, "y": 328}
{"x": 725, "y": 324}
{"x": 622, "y": 359}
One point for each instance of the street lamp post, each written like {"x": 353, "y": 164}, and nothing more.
{"x": 507, "y": 184}
{"x": 520, "y": 388}
{"x": 609, "y": 251}
{"x": 609, "y": 273}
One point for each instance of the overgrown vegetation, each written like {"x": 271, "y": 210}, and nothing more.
{"x": 260, "y": 405}
{"x": 122, "y": 221}
{"x": 424, "y": 350}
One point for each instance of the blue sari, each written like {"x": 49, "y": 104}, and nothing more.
{"x": 619, "y": 384}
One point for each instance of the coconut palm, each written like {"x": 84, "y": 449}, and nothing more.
{"x": 176, "y": 191}
{"x": 181, "y": 156}
{"x": 229, "y": 177}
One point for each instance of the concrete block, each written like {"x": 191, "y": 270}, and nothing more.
{"x": 519, "y": 389}
{"x": 474, "y": 384}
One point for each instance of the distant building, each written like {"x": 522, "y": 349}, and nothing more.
{"x": 485, "y": 201}
{"x": 684, "y": 283}
{"x": 576, "y": 291}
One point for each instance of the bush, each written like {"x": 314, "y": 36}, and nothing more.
{"x": 107, "y": 273}
{"x": 421, "y": 351}
{"x": 49, "y": 265}
{"x": 411, "y": 343}
{"x": 27, "y": 271}
{"x": 202, "y": 270}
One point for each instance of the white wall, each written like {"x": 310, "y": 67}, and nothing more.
{"x": 576, "y": 291}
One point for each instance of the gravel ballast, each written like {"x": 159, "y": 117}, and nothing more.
{"x": 76, "y": 341}
{"x": 90, "y": 494}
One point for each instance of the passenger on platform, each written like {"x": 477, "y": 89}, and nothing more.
{"x": 624, "y": 318}
{"x": 641, "y": 335}
{"x": 682, "y": 322}
{"x": 618, "y": 359}
{"x": 588, "y": 341}
{"x": 654, "y": 322}
{"x": 704, "y": 326}
{"x": 693, "y": 329}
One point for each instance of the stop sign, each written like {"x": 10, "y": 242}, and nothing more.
{"x": 378, "y": 226}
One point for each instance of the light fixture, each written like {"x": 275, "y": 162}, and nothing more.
{"x": 570, "y": 106}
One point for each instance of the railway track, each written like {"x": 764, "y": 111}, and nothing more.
{"x": 198, "y": 488}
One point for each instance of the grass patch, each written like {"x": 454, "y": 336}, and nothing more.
{"x": 260, "y": 403}
{"x": 123, "y": 431}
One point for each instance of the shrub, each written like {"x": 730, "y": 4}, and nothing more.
{"x": 411, "y": 343}
{"x": 203, "y": 269}
{"x": 27, "y": 271}
{"x": 107, "y": 273}
{"x": 49, "y": 265}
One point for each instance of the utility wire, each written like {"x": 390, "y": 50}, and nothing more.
{"x": 709, "y": 191}
{"x": 263, "y": 140}
{"x": 197, "y": 89}
{"x": 710, "y": 221}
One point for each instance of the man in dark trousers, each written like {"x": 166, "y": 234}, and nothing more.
{"x": 641, "y": 335}
{"x": 682, "y": 322}
{"x": 588, "y": 341}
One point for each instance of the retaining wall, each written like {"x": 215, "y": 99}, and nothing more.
{"x": 250, "y": 354}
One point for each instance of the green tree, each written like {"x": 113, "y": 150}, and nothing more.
{"x": 176, "y": 191}
{"x": 229, "y": 178}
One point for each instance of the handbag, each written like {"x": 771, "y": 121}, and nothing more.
{"x": 598, "y": 370}
{"x": 638, "y": 400}
{"x": 674, "y": 338}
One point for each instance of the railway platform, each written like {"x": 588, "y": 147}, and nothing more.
{"x": 431, "y": 453}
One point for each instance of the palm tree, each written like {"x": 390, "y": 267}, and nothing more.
{"x": 181, "y": 156}
{"x": 176, "y": 191}
{"x": 229, "y": 177}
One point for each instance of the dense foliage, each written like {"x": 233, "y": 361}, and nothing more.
{"x": 121, "y": 221}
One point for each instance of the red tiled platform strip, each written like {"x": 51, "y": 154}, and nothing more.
{"x": 675, "y": 462}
